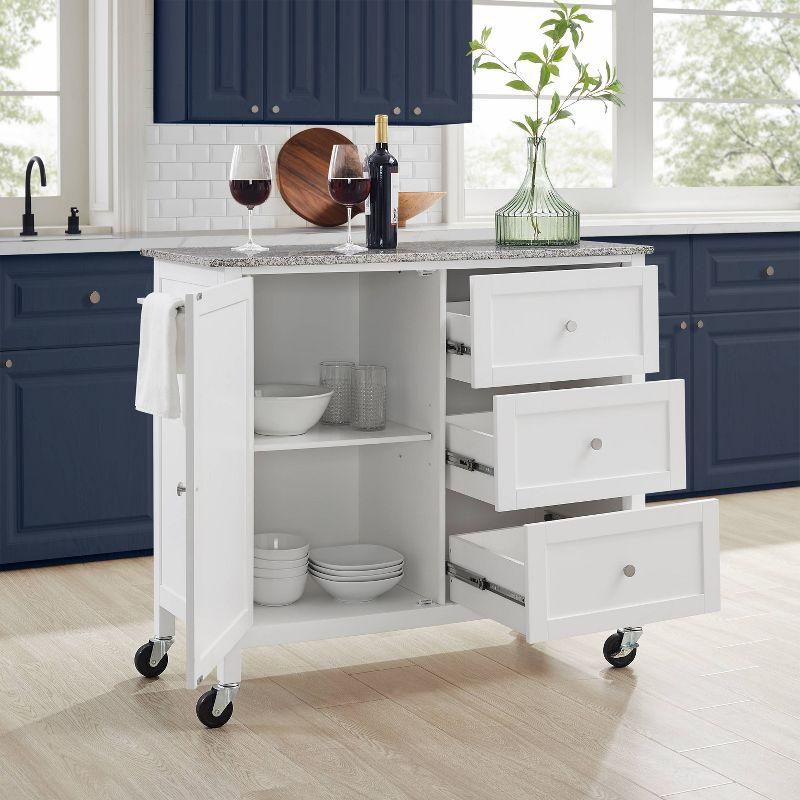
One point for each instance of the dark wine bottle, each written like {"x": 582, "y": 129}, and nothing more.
{"x": 381, "y": 205}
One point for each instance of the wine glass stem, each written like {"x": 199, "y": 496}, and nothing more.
{"x": 250, "y": 225}
{"x": 349, "y": 226}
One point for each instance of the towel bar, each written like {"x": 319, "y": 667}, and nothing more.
{"x": 180, "y": 309}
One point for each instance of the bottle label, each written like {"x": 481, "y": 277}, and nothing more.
{"x": 394, "y": 183}
{"x": 366, "y": 207}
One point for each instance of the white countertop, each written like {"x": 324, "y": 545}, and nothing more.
{"x": 592, "y": 225}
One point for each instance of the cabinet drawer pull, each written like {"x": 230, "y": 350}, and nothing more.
{"x": 8, "y": 363}
{"x": 254, "y": 109}
{"x": 180, "y": 489}
{"x": 571, "y": 326}
{"x": 396, "y": 110}
{"x": 629, "y": 571}
{"x": 94, "y": 297}
{"x": 769, "y": 271}
{"x": 596, "y": 443}
{"x": 417, "y": 111}
{"x": 684, "y": 324}
{"x": 700, "y": 324}
{"x": 276, "y": 109}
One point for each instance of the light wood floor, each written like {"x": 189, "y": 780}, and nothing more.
{"x": 710, "y": 709}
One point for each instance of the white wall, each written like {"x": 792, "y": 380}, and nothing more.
{"x": 186, "y": 166}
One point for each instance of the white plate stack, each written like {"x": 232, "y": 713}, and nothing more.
{"x": 281, "y": 568}
{"x": 356, "y": 573}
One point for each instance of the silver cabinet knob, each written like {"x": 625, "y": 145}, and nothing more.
{"x": 254, "y": 109}
{"x": 8, "y": 363}
{"x": 684, "y": 324}
{"x": 769, "y": 271}
{"x": 94, "y": 297}
{"x": 571, "y": 326}
{"x": 276, "y": 109}
{"x": 629, "y": 571}
{"x": 416, "y": 111}
{"x": 596, "y": 443}
{"x": 396, "y": 110}
{"x": 180, "y": 489}
{"x": 700, "y": 324}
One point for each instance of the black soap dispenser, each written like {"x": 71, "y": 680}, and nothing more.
{"x": 73, "y": 222}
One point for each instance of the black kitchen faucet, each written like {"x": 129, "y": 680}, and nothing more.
{"x": 28, "y": 227}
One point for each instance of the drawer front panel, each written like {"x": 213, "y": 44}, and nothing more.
{"x": 746, "y": 272}
{"x": 572, "y": 571}
{"x": 536, "y": 327}
{"x": 587, "y": 444}
{"x": 72, "y": 299}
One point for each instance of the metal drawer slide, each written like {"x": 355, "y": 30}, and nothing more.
{"x": 479, "y": 582}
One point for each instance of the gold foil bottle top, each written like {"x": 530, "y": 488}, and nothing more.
{"x": 381, "y": 129}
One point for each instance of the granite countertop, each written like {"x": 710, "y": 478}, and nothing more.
{"x": 310, "y": 255}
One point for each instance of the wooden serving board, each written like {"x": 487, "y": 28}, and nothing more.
{"x": 302, "y": 177}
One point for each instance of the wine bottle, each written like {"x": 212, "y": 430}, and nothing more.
{"x": 381, "y": 205}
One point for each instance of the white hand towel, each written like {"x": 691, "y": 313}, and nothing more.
{"x": 157, "y": 376}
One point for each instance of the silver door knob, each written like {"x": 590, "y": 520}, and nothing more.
{"x": 94, "y": 297}
{"x": 276, "y": 109}
{"x": 684, "y": 324}
{"x": 396, "y": 110}
{"x": 629, "y": 571}
{"x": 180, "y": 489}
{"x": 596, "y": 444}
{"x": 8, "y": 363}
{"x": 417, "y": 111}
{"x": 571, "y": 326}
{"x": 700, "y": 324}
{"x": 769, "y": 271}
{"x": 254, "y": 109}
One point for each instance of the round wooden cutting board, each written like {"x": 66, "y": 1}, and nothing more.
{"x": 302, "y": 177}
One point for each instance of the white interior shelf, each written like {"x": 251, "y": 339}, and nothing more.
{"x": 340, "y": 436}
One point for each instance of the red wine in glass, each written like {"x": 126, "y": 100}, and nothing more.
{"x": 250, "y": 182}
{"x": 349, "y": 191}
{"x": 348, "y": 184}
{"x": 250, "y": 193}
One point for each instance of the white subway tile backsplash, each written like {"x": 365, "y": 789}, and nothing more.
{"x": 160, "y": 224}
{"x": 193, "y": 152}
{"x": 428, "y": 135}
{"x": 210, "y": 207}
{"x": 158, "y": 189}
{"x": 194, "y": 189}
{"x": 151, "y": 134}
{"x": 412, "y": 152}
{"x": 176, "y": 134}
{"x": 177, "y": 208}
{"x": 209, "y": 134}
{"x": 227, "y": 223}
{"x": 160, "y": 152}
{"x": 242, "y": 134}
{"x": 221, "y": 153}
{"x": 194, "y": 224}
{"x": 273, "y": 134}
{"x": 427, "y": 169}
{"x": 202, "y": 171}
{"x": 175, "y": 171}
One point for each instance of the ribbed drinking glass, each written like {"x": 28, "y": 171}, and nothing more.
{"x": 338, "y": 375}
{"x": 369, "y": 398}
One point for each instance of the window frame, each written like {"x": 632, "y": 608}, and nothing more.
{"x": 73, "y": 150}
{"x": 633, "y": 189}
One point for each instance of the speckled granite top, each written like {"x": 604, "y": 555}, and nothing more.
{"x": 310, "y": 255}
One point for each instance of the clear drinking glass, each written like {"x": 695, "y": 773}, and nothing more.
{"x": 338, "y": 375}
{"x": 348, "y": 184}
{"x": 369, "y": 398}
{"x": 250, "y": 182}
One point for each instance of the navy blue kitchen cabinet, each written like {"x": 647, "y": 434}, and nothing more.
{"x": 76, "y": 475}
{"x": 321, "y": 61}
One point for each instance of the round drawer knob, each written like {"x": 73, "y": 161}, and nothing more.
{"x": 684, "y": 324}
{"x": 8, "y": 363}
{"x": 396, "y": 110}
{"x": 417, "y": 111}
{"x": 700, "y": 324}
{"x": 254, "y": 109}
{"x": 94, "y": 297}
{"x": 629, "y": 571}
{"x": 276, "y": 109}
{"x": 571, "y": 326}
{"x": 769, "y": 271}
{"x": 596, "y": 444}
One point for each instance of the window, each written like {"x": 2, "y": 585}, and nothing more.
{"x": 42, "y": 106}
{"x": 711, "y": 117}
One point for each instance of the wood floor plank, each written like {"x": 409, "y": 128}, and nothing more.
{"x": 730, "y": 791}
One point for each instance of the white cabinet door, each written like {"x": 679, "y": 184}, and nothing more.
{"x": 568, "y": 324}
{"x": 219, "y": 473}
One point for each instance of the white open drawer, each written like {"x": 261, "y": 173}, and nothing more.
{"x": 563, "y": 446}
{"x": 537, "y": 327}
{"x": 587, "y": 574}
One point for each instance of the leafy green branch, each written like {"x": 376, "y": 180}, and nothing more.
{"x": 565, "y": 30}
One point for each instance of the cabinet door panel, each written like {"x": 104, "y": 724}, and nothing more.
{"x": 372, "y": 60}
{"x": 439, "y": 73}
{"x": 77, "y": 458}
{"x": 226, "y": 63}
{"x": 301, "y": 60}
{"x": 746, "y": 387}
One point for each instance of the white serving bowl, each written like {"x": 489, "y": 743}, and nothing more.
{"x": 289, "y": 409}
{"x": 280, "y": 546}
{"x": 383, "y": 572}
{"x": 271, "y": 565}
{"x": 356, "y": 591}
{"x": 278, "y": 591}
{"x": 277, "y": 574}
{"x": 355, "y": 579}
{"x": 356, "y": 557}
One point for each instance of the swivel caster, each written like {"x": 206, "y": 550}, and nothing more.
{"x": 151, "y": 658}
{"x": 620, "y": 648}
{"x": 215, "y": 707}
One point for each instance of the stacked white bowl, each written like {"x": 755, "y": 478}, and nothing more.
{"x": 356, "y": 573}
{"x": 281, "y": 568}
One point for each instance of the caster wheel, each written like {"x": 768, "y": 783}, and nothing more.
{"x": 611, "y": 646}
{"x": 142, "y": 662}
{"x": 204, "y": 706}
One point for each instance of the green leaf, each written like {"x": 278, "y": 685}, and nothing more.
{"x": 519, "y": 85}
{"x": 583, "y": 18}
{"x": 554, "y": 69}
{"x": 485, "y": 34}
{"x": 528, "y": 56}
{"x": 560, "y": 52}
{"x": 533, "y": 124}
{"x": 520, "y": 125}
{"x": 554, "y": 103}
{"x": 544, "y": 76}
{"x": 491, "y": 65}
{"x": 545, "y": 51}
{"x": 575, "y": 37}
{"x": 552, "y": 35}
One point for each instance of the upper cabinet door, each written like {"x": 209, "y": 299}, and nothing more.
{"x": 226, "y": 62}
{"x": 300, "y": 46}
{"x": 372, "y": 60}
{"x": 439, "y": 72}
{"x": 218, "y": 415}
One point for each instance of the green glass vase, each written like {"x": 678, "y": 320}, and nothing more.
{"x": 537, "y": 215}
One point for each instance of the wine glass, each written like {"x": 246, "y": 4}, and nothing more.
{"x": 348, "y": 184}
{"x": 250, "y": 182}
